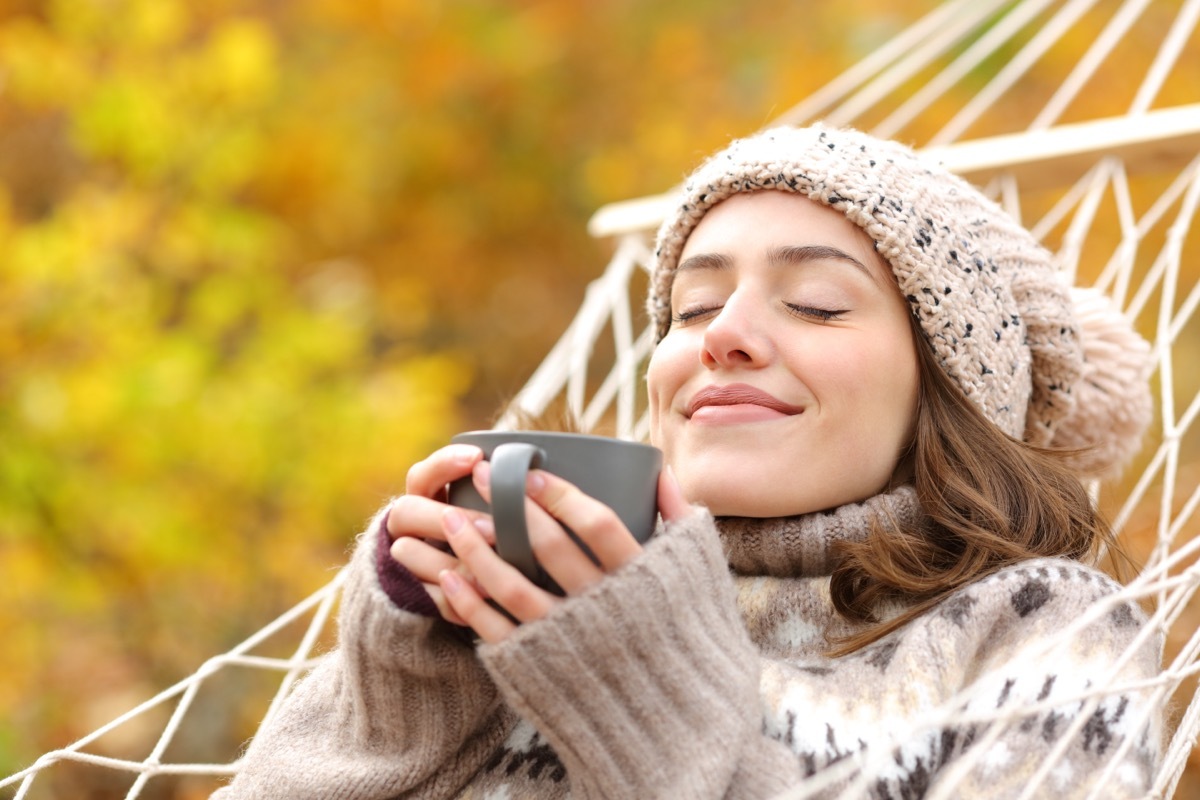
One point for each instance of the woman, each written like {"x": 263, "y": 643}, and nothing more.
{"x": 852, "y": 345}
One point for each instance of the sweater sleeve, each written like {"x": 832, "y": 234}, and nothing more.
{"x": 402, "y": 708}
{"x": 647, "y": 685}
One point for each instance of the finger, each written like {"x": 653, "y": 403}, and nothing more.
{"x": 469, "y": 606}
{"x": 427, "y": 561}
{"x": 553, "y": 549}
{"x": 501, "y": 581}
{"x": 414, "y": 515}
{"x": 430, "y": 476}
{"x": 563, "y": 559}
{"x": 596, "y": 525}
{"x": 422, "y": 559}
{"x": 671, "y": 502}
{"x": 481, "y": 476}
{"x": 443, "y": 604}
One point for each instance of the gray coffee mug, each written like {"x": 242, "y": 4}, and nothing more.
{"x": 623, "y": 475}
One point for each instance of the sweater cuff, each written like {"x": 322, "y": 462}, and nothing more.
{"x": 398, "y": 583}
{"x": 641, "y": 683}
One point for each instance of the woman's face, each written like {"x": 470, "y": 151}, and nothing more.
{"x": 787, "y": 382}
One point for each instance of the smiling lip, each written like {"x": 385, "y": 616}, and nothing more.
{"x": 738, "y": 394}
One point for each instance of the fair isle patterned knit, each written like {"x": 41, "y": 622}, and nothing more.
{"x": 697, "y": 671}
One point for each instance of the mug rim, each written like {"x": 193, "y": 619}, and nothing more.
{"x": 551, "y": 435}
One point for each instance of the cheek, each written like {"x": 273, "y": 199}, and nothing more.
{"x": 872, "y": 378}
{"x": 893, "y": 378}
{"x": 672, "y": 365}
{"x": 667, "y": 371}
{"x": 658, "y": 393}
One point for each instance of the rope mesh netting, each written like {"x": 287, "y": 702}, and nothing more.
{"x": 1114, "y": 194}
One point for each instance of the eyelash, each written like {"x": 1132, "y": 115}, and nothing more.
{"x": 807, "y": 313}
{"x": 810, "y": 313}
{"x": 684, "y": 317}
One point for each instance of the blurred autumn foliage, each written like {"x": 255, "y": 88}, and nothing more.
{"x": 258, "y": 257}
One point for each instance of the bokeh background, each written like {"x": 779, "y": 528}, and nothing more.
{"x": 256, "y": 257}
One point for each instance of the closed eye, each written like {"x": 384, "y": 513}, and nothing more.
{"x": 814, "y": 314}
{"x": 692, "y": 314}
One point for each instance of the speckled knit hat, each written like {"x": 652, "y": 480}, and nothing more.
{"x": 988, "y": 297}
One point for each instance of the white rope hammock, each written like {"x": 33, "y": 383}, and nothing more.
{"x": 1116, "y": 197}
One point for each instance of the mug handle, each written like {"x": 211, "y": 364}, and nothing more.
{"x": 511, "y": 463}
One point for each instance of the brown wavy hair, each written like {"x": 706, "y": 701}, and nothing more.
{"x": 989, "y": 501}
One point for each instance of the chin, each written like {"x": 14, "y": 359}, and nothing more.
{"x": 724, "y": 500}
{"x": 765, "y": 500}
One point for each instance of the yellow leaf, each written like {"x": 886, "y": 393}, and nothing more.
{"x": 242, "y": 59}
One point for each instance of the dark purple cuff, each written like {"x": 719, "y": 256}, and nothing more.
{"x": 404, "y": 589}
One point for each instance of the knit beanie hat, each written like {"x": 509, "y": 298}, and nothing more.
{"x": 1047, "y": 364}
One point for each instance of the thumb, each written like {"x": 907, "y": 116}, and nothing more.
{"x": 671, "y": 502}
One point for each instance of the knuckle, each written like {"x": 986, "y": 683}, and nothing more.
{"x": 553, "y": 547}
{"x": 413, "y": 477}
{"x": 402, "y": 505}
{"x": 468, "y": 548}
{"x": 517, "y": 597}
{"x": 558, "y": 494}
{"x": 593, "y": 518}
{"x": 582, "y": 513}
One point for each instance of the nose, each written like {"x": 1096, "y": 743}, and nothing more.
{"x": 734, "y": 337}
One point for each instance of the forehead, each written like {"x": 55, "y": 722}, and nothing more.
{"x": 751, "y": 222}
{"x": 760, "y": 227}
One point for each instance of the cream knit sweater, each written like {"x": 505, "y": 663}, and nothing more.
{"x": 677, "y": 677}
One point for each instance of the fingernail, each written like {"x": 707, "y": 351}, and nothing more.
{"x": 452, "y": 520}
{"x": 485, "y": 526}
{"x": 535, "y": 482}
{"x": 450, "y": 580}
{"x": 482, "y": 474}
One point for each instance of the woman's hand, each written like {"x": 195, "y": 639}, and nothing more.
{"x": 414, "y": 521}
{"x": 550, "y": 500}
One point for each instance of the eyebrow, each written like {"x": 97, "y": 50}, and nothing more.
{"x": 788, "y": 255}
{"x": 712, "y": 261}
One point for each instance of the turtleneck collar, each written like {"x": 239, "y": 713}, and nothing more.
{"x": 787, "y": 547}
